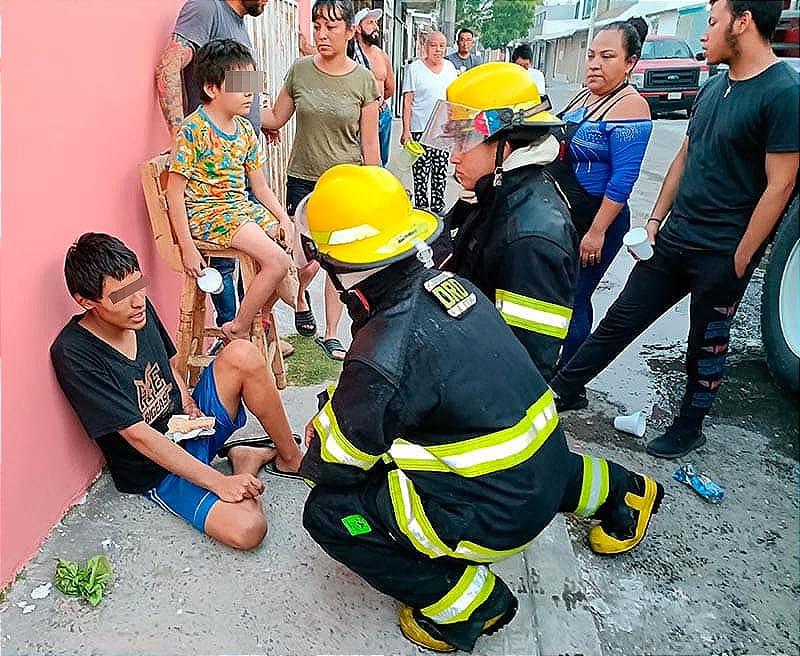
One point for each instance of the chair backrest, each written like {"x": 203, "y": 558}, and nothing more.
{"x": 154, "y": 174}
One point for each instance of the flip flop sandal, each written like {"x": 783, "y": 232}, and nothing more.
{"x": 263, "y": 442}
{"x": 272, "y": 468}
{"x": 304, "y": 322}
{"x": 331, "y": 345}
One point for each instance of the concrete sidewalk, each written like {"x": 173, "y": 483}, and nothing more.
{"x": 175, "y": 591}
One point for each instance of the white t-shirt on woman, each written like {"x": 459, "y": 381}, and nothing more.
{"x": 428, "y": 87}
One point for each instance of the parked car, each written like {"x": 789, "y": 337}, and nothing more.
{"x": 668, "y": 75}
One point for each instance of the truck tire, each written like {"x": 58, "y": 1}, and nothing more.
{"x": 780, "y": 303}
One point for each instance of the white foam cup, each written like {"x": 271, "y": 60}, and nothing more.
{"x": 633, "y": 424}
{"x": 210, "y": 281}
{"x": 638, "y": 241}
{"x": 411, "y": 152}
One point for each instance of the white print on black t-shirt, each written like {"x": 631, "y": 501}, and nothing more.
{"x": 152, "y": 393}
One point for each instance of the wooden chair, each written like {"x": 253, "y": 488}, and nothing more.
{"x": 192, "y": 329}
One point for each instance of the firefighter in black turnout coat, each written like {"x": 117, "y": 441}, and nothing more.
{"x": 439, "y": 451}
{"x": 515, "y": 240}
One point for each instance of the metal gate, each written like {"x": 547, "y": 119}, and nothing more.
{"x": 274, "y": 35}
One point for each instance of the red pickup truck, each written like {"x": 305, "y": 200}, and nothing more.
{"x": 668, "y": 75}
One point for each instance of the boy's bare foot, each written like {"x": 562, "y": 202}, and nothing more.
{"x": 230, "y": 332}
{"x": 250, "y": 459}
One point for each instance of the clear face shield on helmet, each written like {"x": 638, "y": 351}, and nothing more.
{"x": 457, "y": 128}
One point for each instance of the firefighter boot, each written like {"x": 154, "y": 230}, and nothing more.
{"x": 491, "y": 616}
{"x": 625, "y": 515}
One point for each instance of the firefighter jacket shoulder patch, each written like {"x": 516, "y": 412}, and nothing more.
{"x": 451, "y": 294}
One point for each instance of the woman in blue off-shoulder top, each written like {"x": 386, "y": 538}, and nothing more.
{"x": 613, "y": 128}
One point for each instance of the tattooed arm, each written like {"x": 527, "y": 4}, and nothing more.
{"x": 175, "y": 57}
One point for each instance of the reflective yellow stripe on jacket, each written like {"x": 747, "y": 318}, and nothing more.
{"x": 533, "y": 314}
{"x": 485, "y": 454}
{"x": 335, "y": 447}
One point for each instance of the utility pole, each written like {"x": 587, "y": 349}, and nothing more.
{"x": 448, "y": 18}
{"x": 590, "y": 33}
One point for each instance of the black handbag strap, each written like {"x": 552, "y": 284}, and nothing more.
{"x": 605, "y": 103}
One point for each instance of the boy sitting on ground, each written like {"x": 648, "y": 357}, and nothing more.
{"x": 206, "y": 192}
{"x": 115, "y": 365}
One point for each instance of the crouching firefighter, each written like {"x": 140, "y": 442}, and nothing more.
{"x": 516, "y": 242}
{"x": 439, "y": 452}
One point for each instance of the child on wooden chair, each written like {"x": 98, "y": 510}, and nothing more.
{"x": 206, "y": 192}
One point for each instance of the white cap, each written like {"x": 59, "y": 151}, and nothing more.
{"x": 362, "y": 14}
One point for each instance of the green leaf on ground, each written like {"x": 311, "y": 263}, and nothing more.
{"x": 309, "y": 365}
{"x": 88, "y": 582}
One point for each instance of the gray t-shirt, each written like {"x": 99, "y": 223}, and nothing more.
{"x": 201, "y": 21}
{"x": 328, "y": 110}
{"x": 462, "y": 65}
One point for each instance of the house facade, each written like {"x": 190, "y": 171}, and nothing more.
{"x": 560, "y": 29}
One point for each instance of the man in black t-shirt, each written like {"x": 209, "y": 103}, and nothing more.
{"x": 114, "y": 364}
{"x": 726, "y": 189}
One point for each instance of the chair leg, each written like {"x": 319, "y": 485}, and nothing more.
{"x": 189, "y": 291}
{"x": 198, "y": 333}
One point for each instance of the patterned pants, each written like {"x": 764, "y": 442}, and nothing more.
{"x": 430, "y": 167}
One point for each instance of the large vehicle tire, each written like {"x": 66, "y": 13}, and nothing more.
{"x": 780, "y": 302}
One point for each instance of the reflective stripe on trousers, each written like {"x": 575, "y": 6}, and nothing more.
{"x": 472, "y": 589}
{"x": 594, "y": 486}
{"x": 532, "y": 314}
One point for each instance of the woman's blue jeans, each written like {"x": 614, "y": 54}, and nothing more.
{"x": 582, "y": 315}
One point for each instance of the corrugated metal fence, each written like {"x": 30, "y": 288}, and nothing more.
{"x": 274, "y": 37}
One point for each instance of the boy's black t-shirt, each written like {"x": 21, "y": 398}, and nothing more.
{"x": 729, "y": 137}
{"x": 110, "y": 392}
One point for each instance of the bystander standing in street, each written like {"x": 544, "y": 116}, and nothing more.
{"x": 335, "y": 102}
{"x": 426, "y": 81}
{"x": 522, "y": 55}
{"x": 609, "y": 126}
{"x": 366, "y": 51}
{"x": 724, "y": 193}
{"x": 462, "y": 58}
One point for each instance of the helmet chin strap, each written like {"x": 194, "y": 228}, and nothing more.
{"x": 498, "y": 163}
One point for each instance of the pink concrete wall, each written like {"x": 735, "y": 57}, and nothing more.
{"x": 79, "y": 114}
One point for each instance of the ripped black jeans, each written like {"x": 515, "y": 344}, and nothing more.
{"x": 653, "y": 287}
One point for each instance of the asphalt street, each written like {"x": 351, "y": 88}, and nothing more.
{"x": 709, "y": 579}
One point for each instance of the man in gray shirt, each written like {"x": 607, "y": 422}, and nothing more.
{"x": 462, "y": 58}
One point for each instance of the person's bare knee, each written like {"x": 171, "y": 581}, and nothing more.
{"x": 239, "y": 525}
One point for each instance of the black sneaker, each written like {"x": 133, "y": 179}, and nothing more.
{"x": 575, "y": 402}
{"x": 491, "y": 616}
{"x": 676, "y": 442}
{"x": 624, "y": 521}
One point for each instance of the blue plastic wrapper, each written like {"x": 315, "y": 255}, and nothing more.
{"x": 699, "y": 482}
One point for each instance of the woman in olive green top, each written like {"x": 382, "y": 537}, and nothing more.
{"x": 335, "y": 101}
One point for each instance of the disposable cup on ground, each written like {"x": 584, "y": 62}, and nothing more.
{"x": 634, "y": 424}
{"x": 210, "y": 281}
{"x": 638, "y": 241}
{"x": 411, "y": 152}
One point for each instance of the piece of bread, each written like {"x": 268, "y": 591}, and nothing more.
{"x": 183, "y": 424}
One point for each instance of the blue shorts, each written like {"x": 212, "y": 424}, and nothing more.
{"x": 179, "y": 496}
